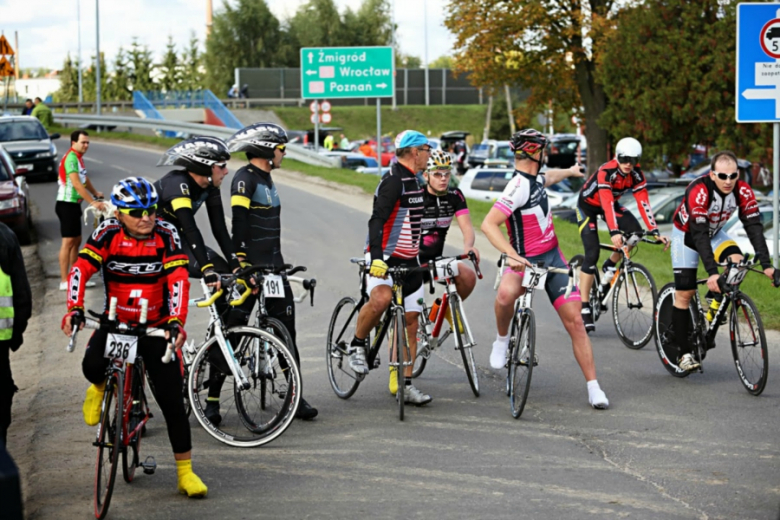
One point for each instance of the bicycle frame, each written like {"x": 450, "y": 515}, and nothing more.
{"x": 127, "y": 405}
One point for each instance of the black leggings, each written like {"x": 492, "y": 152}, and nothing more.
{"x": 587, "y": 222}
{"x": 166, "y": 380}
{"x": 7, "y": 390}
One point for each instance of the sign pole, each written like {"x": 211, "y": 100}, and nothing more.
{"x": 775, "y": 186}
{"x": 317, "y": 128}
{"x": 379, "y": 136}
{"x": 97, "y": 57}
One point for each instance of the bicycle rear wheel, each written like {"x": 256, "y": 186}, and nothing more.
{"x": 109, "y": 443}
{"x": 341, "y": 330}
{"x": 633, "y": 302}
{"x": 130, "y": 455}
{"x": 464, "y": 338}
{"x": 748, "y": 345}
{"x": 420, "y": 361}
{"x": 522, "y": 360}
{"x": 593, "y": 298}
{"x": 665, "y": 341}
{"x": 401, "y": 346}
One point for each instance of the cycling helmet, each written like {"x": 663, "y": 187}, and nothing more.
{"x": 439, "y": 160}
{"x": 526, "y": 143}
{"x": 628, "y": 150}
{"x": 197, "y": 154}
{"x": 258, "y": 140}
{"x": 134, "y": 193}
{"x": 410, "y": 139}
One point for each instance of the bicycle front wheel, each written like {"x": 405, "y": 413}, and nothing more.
{"x": 422, "y": 339}
{"x": 748, "y": 345}
{"x": 633, "y": 301}
{"x": 402, "y": 354}
{"x": 464, "y": 343}
{"x": 665, "y": 340}
{"x": 341, "y": 330}
{"x": 521, "y": 363}
{"x": 130, "y": 455}
{"x": 109, "y": 443}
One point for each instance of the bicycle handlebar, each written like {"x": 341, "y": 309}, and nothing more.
{"x": 568, "y": 271}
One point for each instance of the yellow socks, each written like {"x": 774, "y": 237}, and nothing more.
{"x": 92, "y": 404}
{"x": 189, "y": 483}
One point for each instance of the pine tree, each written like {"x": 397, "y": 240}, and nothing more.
{"x": 141, "y": 61}
{"x": 119, "y": 80}
{"x": 169, "y": 66}
{"x": 69, "y": 83}
{"x": 191, "y": 58}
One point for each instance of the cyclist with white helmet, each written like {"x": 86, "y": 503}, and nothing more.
{"x": 599, "y": 196}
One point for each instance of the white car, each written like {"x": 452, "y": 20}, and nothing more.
{"x": 736, "y": 230}
{"x": 486, "y": 184}
{"x": 663, "y": 201}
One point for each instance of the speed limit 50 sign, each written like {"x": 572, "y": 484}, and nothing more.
{"x": 758, "y": 63}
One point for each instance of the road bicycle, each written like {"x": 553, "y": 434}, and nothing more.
{"x": 341, "y": 330}
{"x": 430, "y": 334}
{"x": 746, "y": 330}
{"x": 259, "y": 380}
{"x": 632, "y": 290}
{"x": 124, "y": 410}
{"x": 521, "y": 354}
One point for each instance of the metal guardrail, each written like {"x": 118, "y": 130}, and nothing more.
{"x": 294, "y": 151}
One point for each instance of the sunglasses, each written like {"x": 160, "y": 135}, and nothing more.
{"x": 625, "y": 159}
{"x": 139, "y": 213}
{"x": 281, "y": 148}
{"x": 440, "y": 175}
{"x": 727, "y": 176}
{"x": 426, "y": 150}
{"x": 221, "y": 165}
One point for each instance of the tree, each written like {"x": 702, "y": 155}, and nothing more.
{"x": 246, "y": 35}
{"x": 317, "y": 23}
{"x": 141, "y": 61}
{"x": 169, "y": 66}
{"x": 405, "y": 61}
{"x": 89, "y": 80}
{"x": 371, "y": 25}
{"x": 547, "y": 46}
{"x": 119, "y": 80}
{"x": 442, "y": 62}
{"x": 192, "y": 77}
{"x": 69, "y": 82}
{"x": 669, "y": 74}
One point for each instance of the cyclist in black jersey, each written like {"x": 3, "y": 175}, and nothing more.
{"x": 257, "y": 225}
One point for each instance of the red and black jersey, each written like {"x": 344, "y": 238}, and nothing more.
{"x": 154, "y": 268}
{"x": 704, "y": 211}
{"x": 604, "y": 188}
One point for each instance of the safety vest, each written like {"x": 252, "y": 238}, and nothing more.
{"x": 6, "y": 307}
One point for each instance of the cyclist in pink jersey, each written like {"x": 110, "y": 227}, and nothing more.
{"x": 525, "y": 210}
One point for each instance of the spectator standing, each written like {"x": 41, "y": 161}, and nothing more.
{"x": 28, "y": 108}
{"x": 328, "y": 142}
{"x": 367, "y": 150}
{"x": 344, "y": 143}
{"x": 43, "y": 113}
{"x": 15, "y": 311}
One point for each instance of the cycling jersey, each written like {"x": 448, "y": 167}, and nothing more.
{"x": 394, "y": 228}
{"x": 704, "y": 211}
{"x": 71, "y": 162}
{"x": 154, "y": 268}
{"x": 437, "y": 218}
{"x": 180, "y": 198}
{"x": 257, "y": 225}
{"x": 529, "y": 220}
{"x": 605, "y": 187}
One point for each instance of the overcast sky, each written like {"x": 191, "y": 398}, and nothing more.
{"x": 48, "y": 29}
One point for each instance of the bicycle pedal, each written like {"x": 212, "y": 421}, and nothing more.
{"x": 149, "y": 465}
{"x": 377, "y": 362}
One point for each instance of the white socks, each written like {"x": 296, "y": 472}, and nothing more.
{"x": 596, "y": 396}
{"x": 498, "y": 355}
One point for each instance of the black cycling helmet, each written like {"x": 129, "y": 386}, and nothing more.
{"x": 526, "y": 143}
{"x": 197, "y": 154}
{"x": 258, "y": 140}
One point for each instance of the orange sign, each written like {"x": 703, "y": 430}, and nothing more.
{"x": 5, "y": 68}
{"x": 5, "y": 47}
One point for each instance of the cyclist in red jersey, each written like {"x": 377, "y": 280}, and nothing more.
{"x": 138, "y": 257}
{"x": 599, "y": 196}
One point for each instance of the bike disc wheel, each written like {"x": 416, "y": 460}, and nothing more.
{"x": 464, "y": 338}
{"x": 340, "y": 333}
{"x": 130, "y": 455}
{"x": 399, "y": 333}
{"x": 664, "y": 338}
{"x": 748, "y": 345}
{"x": 262, "y": 358}
{"x": 633, "y": 302}
{"x": 521, "y": 362}
{"x": 420, "y": 361}
{"x": 109, "y": 441}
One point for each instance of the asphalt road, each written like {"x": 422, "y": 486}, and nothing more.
{"x": 701, "y": 447}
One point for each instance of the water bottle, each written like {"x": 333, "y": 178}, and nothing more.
{"x": 434, "y": 310}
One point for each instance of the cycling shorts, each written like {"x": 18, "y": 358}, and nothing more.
{"x": 685, "y": 261}
{"x": 556, "y": 283}
{"x": 587, "y": 222}
{"x": 412, "y": 286}
{"x": 69, "y": 214}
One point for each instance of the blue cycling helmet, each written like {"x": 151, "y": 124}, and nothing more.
{"x": 410, "y": 139}
{"x": 134, "y": 193}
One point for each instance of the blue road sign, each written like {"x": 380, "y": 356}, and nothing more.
{"x": 758, "y": 63}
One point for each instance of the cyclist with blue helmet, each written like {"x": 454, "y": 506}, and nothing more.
{"x": 138, "y": 256}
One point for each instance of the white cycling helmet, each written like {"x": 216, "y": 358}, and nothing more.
{"x": 628, "y": 150}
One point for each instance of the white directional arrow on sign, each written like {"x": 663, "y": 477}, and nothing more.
{"x": 382, "y": 85}
{"x": 765, "y": 93}
{"x": 310, "y": 56}
{"x": 310, "y": 72}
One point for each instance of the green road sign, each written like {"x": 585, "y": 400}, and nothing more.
{"x": 347, "y": 72}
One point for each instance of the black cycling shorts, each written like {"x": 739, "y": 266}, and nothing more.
{"x": 69, "y": 214}
{"x": 587, "y": 222}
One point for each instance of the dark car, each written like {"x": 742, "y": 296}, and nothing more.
{"x": 562, "y": 151}
{"x": 26, "y": 141}
{"x": 14, "y": 198}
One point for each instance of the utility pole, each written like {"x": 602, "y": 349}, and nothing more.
{"x": 97, "y": 58}
{"x": 425, "y": 22}
{"x": 78, "y": 17}
{"x": 209, "y": 17}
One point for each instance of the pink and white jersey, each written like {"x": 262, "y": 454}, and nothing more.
{"x": 529, "y": 220}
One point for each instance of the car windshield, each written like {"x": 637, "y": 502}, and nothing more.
{"x": 22, "y": 131}
{"x": 480, "y": 149}
{"x": 504, "y": 152}
{"x": 564, "y": 147}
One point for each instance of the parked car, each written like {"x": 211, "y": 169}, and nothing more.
{"x": 351, "y": 161}
{"x": 483, "y": 151}
{"x": 372, "y": 170}
{"x": 663, "y": 201}
{"x": 486, "y": 184}
{"x": 14, "y": 198}
{"x": 26, "y": 141}
{"x": 743, "y": 165}
{"x": 734, "y": 225}
{"x": 742, "y": 240}
{"x": 562, "y": 150}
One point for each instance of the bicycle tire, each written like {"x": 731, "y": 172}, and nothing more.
{"x": 520, "y": 374}
{"x": 278, "y": 329}
{"x": 593, "y": 298}
{"x": 744, "y": 358}
{"x": 399, "y": 333}
{"x": 109, "y": 442}
{"x": 663, "y": 321}
{"x": 239, "y": 429}
{"x": 420, "y": 362}
{"x": 466, "y": 353}
{"x": 184, "y": 374}
{"x": 129, "y": 465}
{"x": 644, "y": 331}
{"x": 336, "y": 357}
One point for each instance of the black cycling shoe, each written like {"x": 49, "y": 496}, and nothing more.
{"x": 305, "y": 411}
{"x": 212, "y": 413}
{"x": 587, "y": 319}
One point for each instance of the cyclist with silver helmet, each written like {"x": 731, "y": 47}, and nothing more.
{"x": 524, "y": 209}
{"x": 599, "y": 196}
{"x": 394, "y": 232}
{"x": 257, "y": 228}
{"x": 138, "y": 256}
